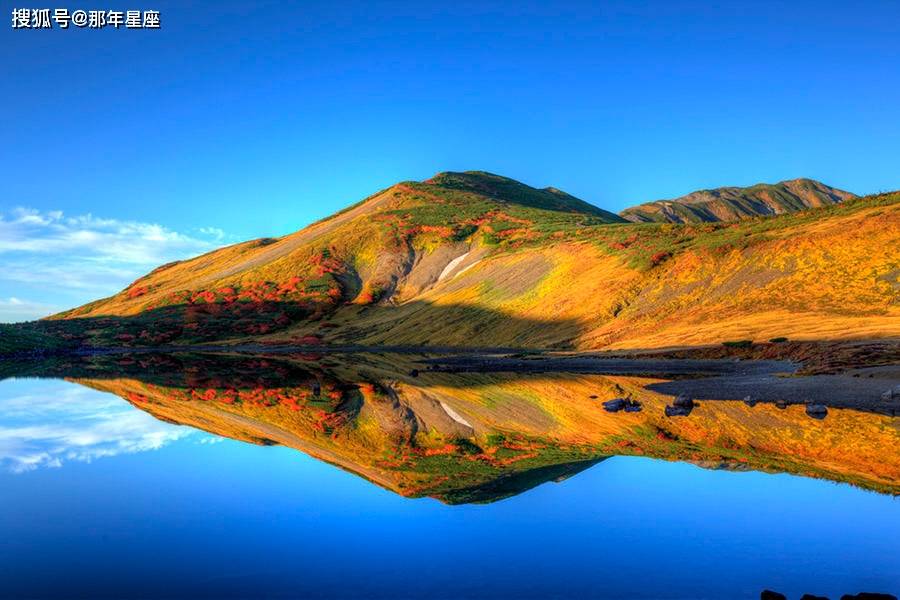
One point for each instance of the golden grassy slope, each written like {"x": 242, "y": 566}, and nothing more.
{"x": 419, "y": 263}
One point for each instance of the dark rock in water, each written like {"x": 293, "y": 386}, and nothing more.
{"x": 868, "y": 596}
{"x": 770, "y": 595}
{"x": 593, "y": 396}
{"x": 817, "y": 411}
{"x": 614, "y": 405}
{"x": 632, "y": 406}
{"x": 677, "y": 411}
{"x": 414, "y": 373}
{"x": 683, "y": 401}
{"x": 811, "y": 597}
{"x": 749, "y": 401}
{"x": 782, "y": 404}
{"x": 891, "y": 394}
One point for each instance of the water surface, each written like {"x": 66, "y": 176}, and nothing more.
{"x": 107, "y": 492}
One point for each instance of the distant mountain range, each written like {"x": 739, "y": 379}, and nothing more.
{"x": 734, "y": 203}
{"x": 478, "y": 260}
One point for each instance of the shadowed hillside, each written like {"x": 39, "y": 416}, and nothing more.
{"x": 734, "y": 203}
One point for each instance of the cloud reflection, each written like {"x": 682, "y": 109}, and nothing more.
{"x": 49, "y": 423}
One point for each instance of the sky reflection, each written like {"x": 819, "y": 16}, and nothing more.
{"x": 47, "y": 423}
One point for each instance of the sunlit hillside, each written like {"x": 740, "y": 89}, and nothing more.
{"x": 473, "y": 259}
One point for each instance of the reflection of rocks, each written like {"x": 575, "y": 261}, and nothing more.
{"x": 676, "y": 411}
{"x": 817, "y": 411}
{"x": 415, "y": 435}
{"x": 614, "y": 405}
{"x": 681, "y": 406}
{"x": 626, "y": 404}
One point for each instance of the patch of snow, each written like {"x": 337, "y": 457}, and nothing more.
{"x": 455, "y": 416}
{"x": 452, "y": 265}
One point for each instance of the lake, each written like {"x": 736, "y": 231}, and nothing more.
{"x": 356, "y": 477}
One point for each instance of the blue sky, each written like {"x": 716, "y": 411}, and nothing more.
{"x": 244, "y": 119}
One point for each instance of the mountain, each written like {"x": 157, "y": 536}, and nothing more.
{"x": 475, "y": 437}
{"x": 734, "y": 203}
{"x": 477, "y": 260}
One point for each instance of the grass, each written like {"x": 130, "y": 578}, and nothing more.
{"x": 26, "y": 337}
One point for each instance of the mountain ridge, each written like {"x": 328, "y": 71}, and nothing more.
{"x": 732, "y": 203}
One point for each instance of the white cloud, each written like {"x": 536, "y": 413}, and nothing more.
{"x": 50, "y": 423}
{"x": 14, "y": 309}
{"x": 88, "y": 256}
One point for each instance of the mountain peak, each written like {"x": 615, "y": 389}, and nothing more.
{"x": 735, "y": 203}
{"x": 505, "y": 189}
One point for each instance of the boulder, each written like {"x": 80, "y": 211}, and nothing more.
{"x": 632, "y": 406}
{"x": 677, "y": 411}
{"x": 750, "y": 401}
{"x": 782, "y": 404}
{"x": 614, "y": 405}
{"x": 683, "y": 401}
{"x": 817, "y": 411}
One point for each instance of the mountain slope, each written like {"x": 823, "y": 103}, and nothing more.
{"x": 476, "y": 260}
{"x": 734, "y": 203}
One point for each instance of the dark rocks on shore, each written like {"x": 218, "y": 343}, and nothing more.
{"x": 782, "y": 404}
{"x": 811, "y": 597}
{"x": 681, "y": 406}
{"x": 749, "y": 401}
{"x": 817, "y": 411}
{"x": 868, "y": 596}
{"x": 770, "y": 595}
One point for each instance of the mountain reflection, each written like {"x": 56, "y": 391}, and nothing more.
{"x": 475, "y": 437}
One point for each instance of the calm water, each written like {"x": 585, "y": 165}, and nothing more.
{"x": 99, "y": 499}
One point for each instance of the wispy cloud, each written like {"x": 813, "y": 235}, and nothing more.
{"x": 85, "y": 256}
{"x": 15, "y": 309}
{"x": 49, "y": 424}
